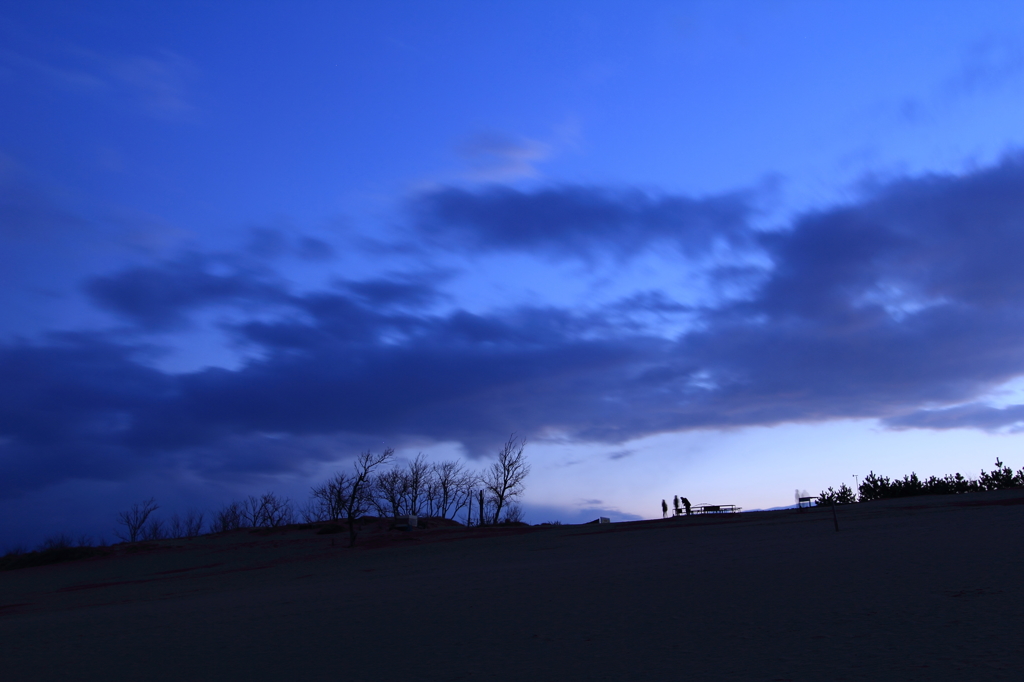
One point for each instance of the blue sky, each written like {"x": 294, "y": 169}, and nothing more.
{"x": 723, "y": 250}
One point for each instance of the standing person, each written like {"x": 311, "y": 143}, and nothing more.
{"x": 664, "y": 509}
{"x": 686, "y": 503}
{"x": 675, "y": 505}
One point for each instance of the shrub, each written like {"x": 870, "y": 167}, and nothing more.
{"x": 19, "y": 559}
{"x": 874, "y": 487}
{"x": 842, "y": 496}
{"x": 908, "y": 486}
{"x": 513, "y": 513}
{"x": 1000, "y": 478}
{"x": 59, "y": 541}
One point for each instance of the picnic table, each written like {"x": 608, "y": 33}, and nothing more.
{"x": 715, "y": 509}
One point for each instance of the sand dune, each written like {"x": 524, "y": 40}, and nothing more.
{"x": 914, "y": 589}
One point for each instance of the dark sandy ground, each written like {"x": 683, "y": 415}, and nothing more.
{"x": 915, "y": 589}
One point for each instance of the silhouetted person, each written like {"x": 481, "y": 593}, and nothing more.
{"x": 664, "y": 509}
{"x": 686, "y": 503}
{"x": 675, "y": 505}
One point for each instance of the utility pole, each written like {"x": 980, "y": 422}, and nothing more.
{"x": 856, "y": 482}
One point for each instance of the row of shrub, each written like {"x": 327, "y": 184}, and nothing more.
{"x": 875, "y": 487}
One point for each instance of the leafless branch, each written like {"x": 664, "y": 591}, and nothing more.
{"x": 134, "y": 521}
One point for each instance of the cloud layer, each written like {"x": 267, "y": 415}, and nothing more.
{"x": 893, "y": 306}
{"x": 578, "y": 221}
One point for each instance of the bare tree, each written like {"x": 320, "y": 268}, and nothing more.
{"x": 358, "y": 499}
{"x": 332, "y": 496}
{"x": 513, "y": 513}
{"x": 431, "y": 494}
{"x": 193, "y": 525}
{"x": 58, "y": 541}
{"x": 154, "y": 530}
{"x": 352, "y": 495}
{"x": 504, "y": 479}
{"x": 188, "y": 526}
{"x": 134, "y": 521}
{"x": 454, "y": 487}
{"x": 417, "y": 478}
{"x": 228, "y": 518}
{"x": 175, "y": 527}
{"x": 267, "y": 511}
{"x": 252, "y": 511}
{"x": 390, "y": 490}
{"x": 313, "y": 511}
{"x": 277, "y": 511}
{"x": 464, "y": 488}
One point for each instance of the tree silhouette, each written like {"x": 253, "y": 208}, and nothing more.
{"x": 504, "y": 479}
{"x": 134, "y": 522}
{"x": 356, "y": 489}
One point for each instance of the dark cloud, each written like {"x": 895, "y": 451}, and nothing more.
{"x": 578, "y": 221}
{"x": 415, "y": 292}
{"x": 162, "y": 297}
{"x": 891, "y": 307}
{"x": 973, "y": 415}
{"x": 68, "y": 409}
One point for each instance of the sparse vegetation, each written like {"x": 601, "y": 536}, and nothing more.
{"x": 189, "y": 526}
{"x": 513, "y": 513}
{"x": 18, "y": 558}
{"x": 430, "y": 490}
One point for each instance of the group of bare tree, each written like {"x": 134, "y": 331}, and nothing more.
{"x": 419, "y": 488}
{"x": 139, "y": 523}
{"x": 347, "y": 496}
{"x": 444, "y": 489}
{"x": 255, "y": 511}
